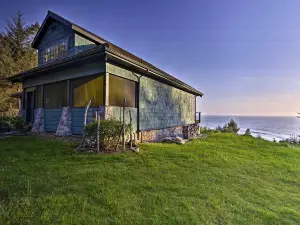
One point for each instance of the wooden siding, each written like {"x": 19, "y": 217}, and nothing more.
{"x": 87, "y": 69}
{"x": 78, "y": 118}
{"x": 55, "y": 33}
{"x": 51, "y": 119}
{"x": 82, "y": 44}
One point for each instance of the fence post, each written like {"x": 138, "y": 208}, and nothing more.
{"x": 123, "y": 125}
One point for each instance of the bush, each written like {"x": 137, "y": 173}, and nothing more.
{"x": 110, "y": 131}
{"x": 293, "y": 140}
{"x": 230, "y": 127}
{"x": 248, "y": 132}
{"x": 18, "y": 123}
{"x": 233, "y": 127}
{"x": 259, "y": 137}
{"x": 219, "y": 128}
{"x": 206, "y": 130}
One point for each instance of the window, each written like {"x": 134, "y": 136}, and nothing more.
{"x": 86, "y": 89}
{"x": 55, "y": 95}
{"x": 56, "y": 51}
{"x": 120, "y": 88}
{"x": 39, "y": 95}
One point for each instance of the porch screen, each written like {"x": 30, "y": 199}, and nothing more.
{"x": 38, "y": 91}
{"x": 55, "y": 95}
{"x": 120, "y": 88}
{"x": 86, "y": 89}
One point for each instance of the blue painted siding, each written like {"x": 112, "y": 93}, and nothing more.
{"x": 78, "y": 117}
{"x": 51, "y": 119}
{"x": 55, "y": 33}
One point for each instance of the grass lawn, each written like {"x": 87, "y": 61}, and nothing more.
{"x": 222, "y": 179}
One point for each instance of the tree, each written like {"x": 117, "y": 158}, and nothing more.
{"x": 16, "y": 55}
{"x": 233, "y": 127}
{"x": 248, "y": 132}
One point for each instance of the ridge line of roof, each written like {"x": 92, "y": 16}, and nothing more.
{"x": 119, "y": 51}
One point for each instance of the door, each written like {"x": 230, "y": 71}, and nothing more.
{"x": 29, "y": 107}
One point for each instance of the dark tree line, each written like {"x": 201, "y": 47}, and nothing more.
{"x": 16, "y": 55}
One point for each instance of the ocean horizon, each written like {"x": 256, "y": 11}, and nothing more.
{"x": 268, "y": 127}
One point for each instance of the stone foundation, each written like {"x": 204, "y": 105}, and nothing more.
{"x": 191, "y": 131}
{"x": 64, "y": 127}
{"x": 38, "y": 125}
{"x": 158, "y": 135}
{"x": 187, "y": 131}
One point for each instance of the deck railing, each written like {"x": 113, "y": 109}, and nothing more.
{"x": 198, "y": 117}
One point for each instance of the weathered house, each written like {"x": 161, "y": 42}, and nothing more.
{"x": 76, "y": 66}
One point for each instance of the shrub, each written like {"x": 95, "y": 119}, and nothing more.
{"x": 18, "y": 123}
{"x": 219, "y": 128}
{"x": 110, "y": 131}
{"x": 259, "y": 137}
{"x": 206, "y": 130}
{"x": 233, "y": 127}
{"x": 5, "y": 119}
{"x": 294, "y": 140}
{"x": 248, "y": 132}
{"x": 225, "y": 128}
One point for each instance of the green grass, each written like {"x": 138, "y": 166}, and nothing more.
{"x": 222, "y": 179}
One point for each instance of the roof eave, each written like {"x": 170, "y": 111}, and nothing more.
{"x": 156, "y": 74}
{"x": 52, "y": 15}
{"x": 63, "y": 61}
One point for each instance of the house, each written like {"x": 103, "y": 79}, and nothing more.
{"x": 76, "y": 66}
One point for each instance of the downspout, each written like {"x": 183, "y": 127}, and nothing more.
{"x": 138, "y": 102}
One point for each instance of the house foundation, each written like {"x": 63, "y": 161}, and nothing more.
{"x": 156, "y": 135}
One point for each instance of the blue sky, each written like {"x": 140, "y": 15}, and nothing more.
{"x": 244, "y": 55}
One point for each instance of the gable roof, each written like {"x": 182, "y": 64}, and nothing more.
{"x": 110, "y": 47}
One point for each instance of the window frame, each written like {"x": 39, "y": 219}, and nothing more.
{"x": 55, "y": 51}
{"x": 37, "y": 89}
{"x": 45, "y": 91}
{"x": 71, "y": 94}
{"x": 136, "y": 93}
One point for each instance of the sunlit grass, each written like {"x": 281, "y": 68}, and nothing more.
{"x": 222, "y": 179}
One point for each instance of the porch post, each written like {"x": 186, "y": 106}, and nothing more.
{"x": 106, "y": 89}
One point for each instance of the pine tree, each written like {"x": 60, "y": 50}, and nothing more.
{"x": 16, "y": 56}
{"x": 233, "y": 127}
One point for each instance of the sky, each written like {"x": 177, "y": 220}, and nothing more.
{"x": 243, "y": 55}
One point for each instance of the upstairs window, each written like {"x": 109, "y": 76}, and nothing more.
{"x": 56, "y": 51}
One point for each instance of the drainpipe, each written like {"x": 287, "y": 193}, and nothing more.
{"x": 138, "y": 102}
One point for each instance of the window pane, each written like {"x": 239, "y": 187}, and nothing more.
{"x": 120, "y": 88}
{"x": 55, "y": 95}
{"x": 38, "y": 92}
{"x": 86, "y": 89}
{"x": 58, "y": 50}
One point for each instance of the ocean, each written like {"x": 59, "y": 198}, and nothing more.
{"x": 268, "y": 127}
